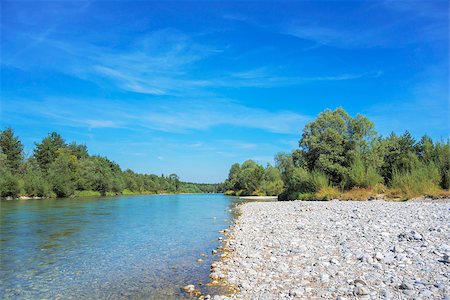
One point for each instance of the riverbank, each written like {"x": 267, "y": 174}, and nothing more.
{"x": 93, "y": 194}
{"x": 339, "y": 249}
{"x": 259, "y": 198}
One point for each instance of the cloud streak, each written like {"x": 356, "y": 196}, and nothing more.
{"x": 166, "y": 62}
{"x": 173, "y": 116}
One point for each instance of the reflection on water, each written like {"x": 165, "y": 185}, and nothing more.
{"x": 140, "y": 247}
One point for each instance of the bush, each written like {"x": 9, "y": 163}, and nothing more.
{"x": 328, "y": 193}
{"x": 360, "y": 176}
{"x": 273, "y": 188}
{"x": 306, "y": 196}
{"x": 9, "y": 185}
{"x": 358, "y": 194}
{"x": 87, "y": 193}
{"x": 423, "y": 180}
{"x": 288, "y": 196}
{"x": 319, "y": 181}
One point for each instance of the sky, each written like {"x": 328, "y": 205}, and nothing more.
{"x": 193, "y": 87}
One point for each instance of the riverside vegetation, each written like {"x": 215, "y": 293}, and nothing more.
{"x": 59, "y": 169}
{"x": 344, "y": 157}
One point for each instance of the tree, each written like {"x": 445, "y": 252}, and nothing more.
{"x": 78, "y": 150}
{"x": 175, "y": 181}
{"x": 35, "y": 182}
{"x": 9, "y": 183}
{"x": 442, "y": 158}
{"x": 11, "y": 146}
{"x": 272, "y": 184}
{"x": 62, "y": 173}
{"x": 330, "y": 142}
{"x": 47, "y": 151}
{"x": 425, "y": 149}
{"x": 250, "y": 177}
{"x": 232, "y": 181}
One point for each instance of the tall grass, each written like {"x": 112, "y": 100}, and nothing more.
{"x": 422, "y": 180}
{"x": 361, "y": 176}
{"x": 319, "y": 180}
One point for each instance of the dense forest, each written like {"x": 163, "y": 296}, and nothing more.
{"x": 59, "y": 169}
{"x": 340, "y": 156}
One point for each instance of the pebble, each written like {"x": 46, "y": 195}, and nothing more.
{"x": 425, "y": 293}
{"x": 361, "y": 291}
{"x": 338, "y": 250}
{"x": 406, "y": 286}
{"x": 189, "y": 288}
{"x": 379, "y": 256}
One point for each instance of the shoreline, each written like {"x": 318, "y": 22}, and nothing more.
{"x": 337, "y": 249}
{"x": 259, "y": 197}
{"x": 99, "y": 196}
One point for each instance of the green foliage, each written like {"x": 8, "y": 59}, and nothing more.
{"x": 361, "y": 175}
{"x": 250, "y": 178}
{"x": 328, "y": 193}
{"x": 319, "y": 180}
{"x": 9, "y": 185}
{"x": 422, "y": 180}
{"x": 47, "y": 151}
{"x": 12, "y": 148}
{"x": 87, "y": 194}
{"x": 329, "y": 142}
{"x": 272, "y": 184}
{"x": 63, "y": 170}
{"x": 442, "y": 159}
{"x": 62, "y": 174}
{"x": 338, "y": 151}
{"x": 36, "y": 184}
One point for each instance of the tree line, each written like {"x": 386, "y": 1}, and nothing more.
{"x": 340, "y": 156}
{"x": 60, "y": 169}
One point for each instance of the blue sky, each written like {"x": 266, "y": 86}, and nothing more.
{"x": 192, "y": 87}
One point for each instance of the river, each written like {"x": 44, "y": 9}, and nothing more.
{"x": 125, "y": 247}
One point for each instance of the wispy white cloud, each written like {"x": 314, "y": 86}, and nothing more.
{"x": 165, "y": 62}
{"x": 177, "y": 116}
{"x": 429, "y": 18}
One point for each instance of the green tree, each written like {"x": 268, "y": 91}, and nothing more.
{"x": 272, "y": 184}
{"x": 9, "y": 183}
{"x": 78, "y": 150}
{"x": 250, "y": 177}
{"x": 35, "y": 182}
{"x": 442, "y": 158}
{"x": 330, "y": 142}
{"x": 11, "y": 146}
{"x": 62, "y": 174}
{"x": 47, "y": 151}
{"x": 232, "y": 181}
{"x": 174, "y": 181}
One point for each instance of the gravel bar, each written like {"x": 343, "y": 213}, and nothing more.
{"x": 339, "y": 250}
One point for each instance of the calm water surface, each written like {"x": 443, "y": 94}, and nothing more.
{"x": 127, "y": 247}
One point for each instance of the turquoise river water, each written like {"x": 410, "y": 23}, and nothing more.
{"x": 126, "y": 247}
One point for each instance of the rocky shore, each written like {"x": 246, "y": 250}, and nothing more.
{"x": 338, "y": 250}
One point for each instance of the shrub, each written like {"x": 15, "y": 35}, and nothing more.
{"x": 358, "y": 194}
{"x": 35, "y": 185}
{"x": 87, "y": 193}
{"x": 9, "y": 185}
{"x": 360, "y": 176}
{"x": 273, "y": 188}
{"x": 306, "y": 196}
{"x": 328, "y": 193}
{"x": 318, "y": 181}
{"x": 423, "y": 180}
